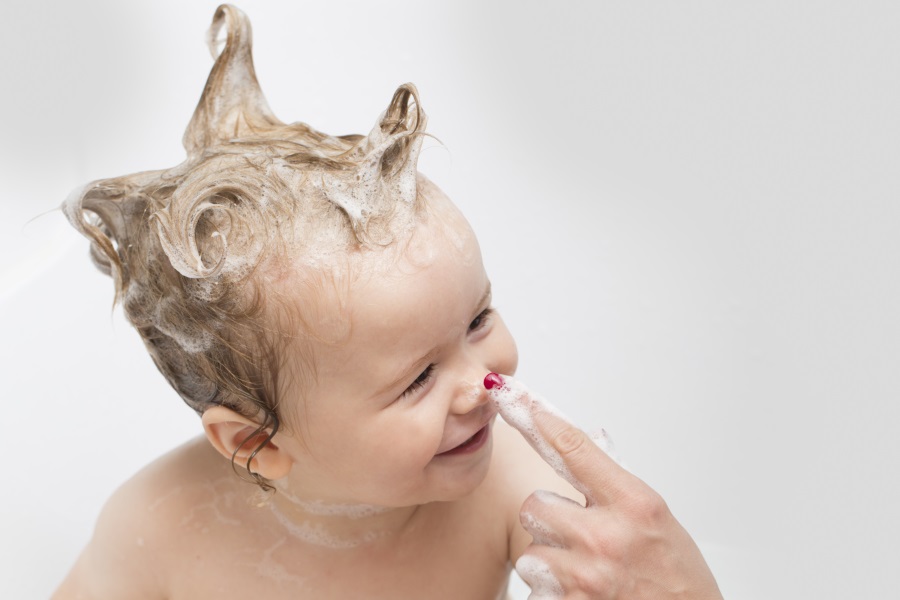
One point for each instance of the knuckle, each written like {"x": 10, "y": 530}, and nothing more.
{"x": 570, "y": 441}
{"x": 597, "y": 581}
{"x": 648, "y": 507}
{"x": 611, "y": 546}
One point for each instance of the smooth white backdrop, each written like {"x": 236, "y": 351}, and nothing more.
{"x": 689, "y": 212}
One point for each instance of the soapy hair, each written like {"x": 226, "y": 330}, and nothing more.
{"x": 192, "y": 249}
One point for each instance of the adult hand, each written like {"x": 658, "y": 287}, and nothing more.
{"x": 623, "y": 544}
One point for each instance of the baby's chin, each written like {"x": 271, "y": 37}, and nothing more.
{"x": 456, "y": 481}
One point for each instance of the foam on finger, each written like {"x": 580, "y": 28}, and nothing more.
{"x": 541, "y": 532}
{"x": 537, "y": 574}
{"x": 518, "y": 405}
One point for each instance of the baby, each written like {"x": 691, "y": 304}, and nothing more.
{"x": 325, "y": 310}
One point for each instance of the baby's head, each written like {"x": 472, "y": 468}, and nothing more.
{"x": 265, "y": 273}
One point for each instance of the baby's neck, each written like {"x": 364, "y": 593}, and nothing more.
{"x": 337, "y": 524}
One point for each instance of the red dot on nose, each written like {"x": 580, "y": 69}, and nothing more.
{"x": 492, "y": 380}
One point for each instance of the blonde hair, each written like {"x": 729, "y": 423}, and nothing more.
{"x": 185, "y": 245}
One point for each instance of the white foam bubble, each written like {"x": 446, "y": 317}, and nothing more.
{"x": 351, "y": 511}
{"x": 552, "y": 498}
{"x": 603, "y": 441}
{"x": 366, "y": 192}
{"x": 270, "y": 567}
{"x": 330, "y": 509}
{"x": 541, "y": 532}
{"x": 537, "y": 574}
{"x": 192, "y": 340}
{"x": 316, "y": 534}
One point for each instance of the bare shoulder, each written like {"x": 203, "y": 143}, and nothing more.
{"x": 138, "y": 527}
{"x": 517, "y": 471}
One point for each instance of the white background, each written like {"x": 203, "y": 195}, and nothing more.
{"x": 689, "y": 211}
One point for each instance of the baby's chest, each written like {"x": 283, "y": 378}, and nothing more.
{"x": 469, "y": 564}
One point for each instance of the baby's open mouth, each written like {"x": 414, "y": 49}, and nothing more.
{"x": 470, "y": 445}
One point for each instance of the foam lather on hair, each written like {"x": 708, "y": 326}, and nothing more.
{"x": 188, "y": 247}
{"x": 193, "y": 249}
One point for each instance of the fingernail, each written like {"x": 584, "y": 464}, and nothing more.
{"x": 492, "y": 380}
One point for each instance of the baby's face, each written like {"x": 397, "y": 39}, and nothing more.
{"x": 396, "y": 413}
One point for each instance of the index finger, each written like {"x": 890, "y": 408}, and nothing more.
{"x": 569, "y": 450}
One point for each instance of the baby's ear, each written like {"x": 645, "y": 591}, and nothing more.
{"x": 235, "y": 436}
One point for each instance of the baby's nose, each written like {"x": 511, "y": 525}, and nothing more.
{"x": 471, "y": 395}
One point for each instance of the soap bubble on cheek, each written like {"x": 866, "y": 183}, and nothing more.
{"x": 537, "y": 574}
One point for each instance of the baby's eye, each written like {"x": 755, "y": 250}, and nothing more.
{"x": 420, "y": 381}
{"x": 480, "y": 320}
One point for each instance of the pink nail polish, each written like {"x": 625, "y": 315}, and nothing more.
{"x": 492, "y": 380}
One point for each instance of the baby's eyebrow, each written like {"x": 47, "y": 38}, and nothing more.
{"x": 407, "y": 373}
